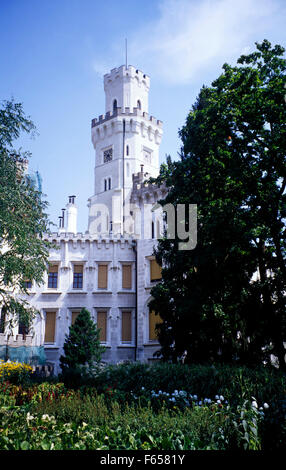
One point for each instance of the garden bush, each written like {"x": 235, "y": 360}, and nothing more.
{"x": 235, "y": 383}
{"x": 15, "y": 372}
{"x": 92, "y": 425}
{"x": 208, "y": 406}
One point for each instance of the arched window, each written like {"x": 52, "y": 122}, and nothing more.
{"x": 127, "y": 149}
{"x": 114, "y": 105}
{"x": 138, "y": 104}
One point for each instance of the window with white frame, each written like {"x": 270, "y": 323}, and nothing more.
{"x": 126, "y": 326}
{"x": 101, "y": 323}
{"x": 50, "y": 327}
{"x": 154, "y": 320}
{"x": 77, "y": 276}
{"x": 126, "y": 276}
{"x": 102, "y": 280}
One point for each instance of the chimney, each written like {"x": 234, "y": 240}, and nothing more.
{"x": 71, "y": 223}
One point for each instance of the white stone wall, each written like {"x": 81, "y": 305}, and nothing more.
{"x": 127, "y": 86}
{"x": 64, "y": 299}
{"x": 133, "y": 136}
{"x": 143, "y": 134}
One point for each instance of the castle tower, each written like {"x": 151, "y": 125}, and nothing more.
{"x": 126, "y": 140}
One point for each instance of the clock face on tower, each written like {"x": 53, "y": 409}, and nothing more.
{"x": 147, "y": 155}
{"x": 107, "y": 155}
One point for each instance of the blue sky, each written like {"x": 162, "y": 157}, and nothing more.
{"x": 54, "y": 54}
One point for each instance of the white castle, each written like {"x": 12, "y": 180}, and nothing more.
{"x": 110, "y": 269}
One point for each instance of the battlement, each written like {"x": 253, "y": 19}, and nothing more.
{"x": 126, "y": 73}
{"x": 15, "y": 340}
{"x": 143, "y": 190}
{"x": 105, "y": 238}
{"x": 125, "y": 112}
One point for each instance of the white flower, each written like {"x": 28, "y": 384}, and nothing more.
{"x": 217, "y": 397}
{"x": 266, "y": 406}
{"x": 254, "y": 404}
{"x": 143, "y": 388}
{"x": 218, "y": 401}
{"x": 221, "y": 398}
{"x": 195, "y": 397}
{"x": 200, "y": 403}
{"x": 29, "y": 417}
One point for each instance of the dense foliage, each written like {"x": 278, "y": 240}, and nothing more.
{"x": 139, "y": 406}
{"x": 23, "y": 221}
{"x": 225, "y": 299}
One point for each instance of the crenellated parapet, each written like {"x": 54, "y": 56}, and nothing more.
{"x": 136, "y": 122}
{"x": 15, "y": 340}
{"x": 82, "y": 238}
{"x": 127, "y": 73}
{"x": 125, "y": 112}
{"x": 145, "y": 192}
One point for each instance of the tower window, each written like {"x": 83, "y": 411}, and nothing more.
{"x": 127, "y": 149}
{"x": 139, "y": 104}
{"x": 114, "y": 105}
{"x": 109, "y": 183}
{"x": 107, "y": 155}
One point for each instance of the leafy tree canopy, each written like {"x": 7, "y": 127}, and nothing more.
{"x": 23, "y": 221}
{"x": 225, "y": 299}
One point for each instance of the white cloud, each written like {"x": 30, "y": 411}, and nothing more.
{"x": 191, "y": 36}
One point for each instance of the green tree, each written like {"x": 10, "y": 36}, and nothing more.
{"x": 225, "y": 300}
{"x": 23, "y": 221}
{"x": 82, "y": 348}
